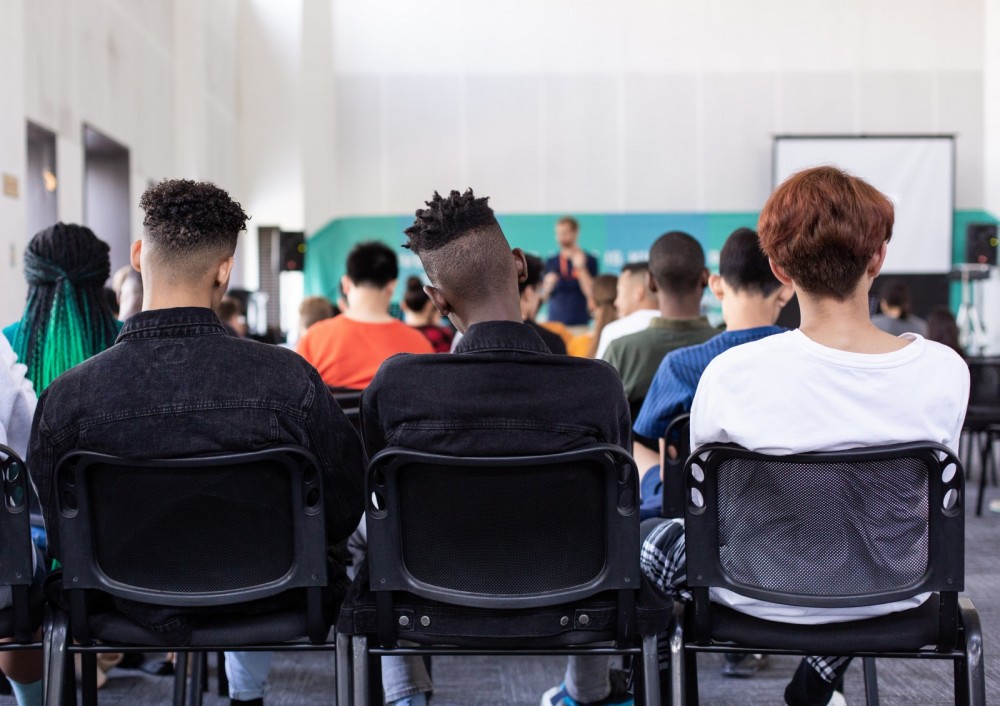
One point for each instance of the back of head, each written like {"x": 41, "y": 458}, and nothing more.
{"x": 823, "y": 227}
{"x": 229, "y": 309}
{"x": 66, "y": 318}
{"x": 942, "y": 328}
{"x": 372, "y": 264}
{"x": 604, "y": 290}
{"x": 744, "y": 266}
{"x": 534, "y": 273}
{"x": 677, "y": 263}
{"x": 896, "y": 294}
{"x": 313, "y": 310}
{"x": 463, "y": 249}
{"x": 415, "y": 298}
{"x": 189, "y": 227}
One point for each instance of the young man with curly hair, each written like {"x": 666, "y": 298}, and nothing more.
{"x": 176, "y": 384}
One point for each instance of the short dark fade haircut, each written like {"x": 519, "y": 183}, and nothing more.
{"x": 823, "y": 226}
{"x": 744, "y": 265}
{"x": 677, "y": 263}
{"x": 574, "y": 225}
{"x": 186, "y": 220}
{"x": 636, "y": 268}
{"x": 461, "y": 245}
{"x": 535, "y": 273}
{"x": 372, "y": 264}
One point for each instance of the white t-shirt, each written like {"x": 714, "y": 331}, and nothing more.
{"x": 17, "y": 401}
{"x": 788, "y": 394}
{"x": 633, "y": 323}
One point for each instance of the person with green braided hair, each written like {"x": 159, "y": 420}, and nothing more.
{"x": 66, "y": 318}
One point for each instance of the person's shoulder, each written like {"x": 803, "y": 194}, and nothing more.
{"x": 750, "y": 355}
{"x": 939, "y": 357}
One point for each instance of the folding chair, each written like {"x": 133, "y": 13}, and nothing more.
{"x": 21, "y": 619}
{"x": 220, "y": 537}
{"x": 503, "y": 556}
{"x": 982, "y": 421}
{"x": 677, "y": 435}
{"x": 843, "y": 529}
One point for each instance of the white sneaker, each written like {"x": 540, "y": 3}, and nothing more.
{"x": 837, "y": 700}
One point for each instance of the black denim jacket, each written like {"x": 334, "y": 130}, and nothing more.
{"x": 500, "y": 393}
{"x": 176, "y": 384}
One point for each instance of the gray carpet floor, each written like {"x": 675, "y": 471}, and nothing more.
{"x": 307, "y": 680}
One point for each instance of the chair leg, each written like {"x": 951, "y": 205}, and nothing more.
{"x": 691, "y": 679}
{"x": 180, "y": 678}
{"x": 343, "y": 673}
{"x": 221, "y": 678}
{"x": 197, "y": 671}
{"x": 376, "y": 691}
{"x": 651, "y": 671}
{"x": 359, "y": 657}
{"x": 88, "y": 679}
{"x": 972, "y": 665}
{"x": 54, "y": 656}
{"x": 984, "y": 458}
{"x": 871, "y": 681}
{"x": 678, "y": 689}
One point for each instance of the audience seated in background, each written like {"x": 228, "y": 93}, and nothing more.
{"x": 895, "y": 315}
{"x": 230, "y": 313}
{"x": 494, "y": 392}
{"x": 942, "y": 328}
{"x": 312, "y": 310}
{"x": 531, "y": 299}
{"x": 348, "y": 349}
{"x": 837, "y": 382}
{"x": 636, "y": 305}
{"x": 569, "y": 276}
{"x": 602, "y": 308}
{"x": 420, "y": 313}
{"x": 677, "y": 276}
{"x": 127, "y": 284}
{"x": 66, "y": 318}
{"x": 193, "y": 390}
{"x": 23, "y": 669}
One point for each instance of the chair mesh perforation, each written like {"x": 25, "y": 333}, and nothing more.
{"x": 547, "y": 531}
{"x": 151, "y": 526}
{"x": 823, "y": 529}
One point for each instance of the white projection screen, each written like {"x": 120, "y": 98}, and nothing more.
{"x": 917, "y": 173}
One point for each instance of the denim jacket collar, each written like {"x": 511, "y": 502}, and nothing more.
{"x": 168, "y": 323}
{"x": 500, "y": 336}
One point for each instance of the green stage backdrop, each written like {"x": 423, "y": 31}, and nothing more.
{"x": 615, "y": 238}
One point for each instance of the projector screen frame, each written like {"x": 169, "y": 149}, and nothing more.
{"x": 875, "y": 136}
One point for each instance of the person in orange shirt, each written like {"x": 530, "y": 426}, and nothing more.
{"x": 347, "y": 350}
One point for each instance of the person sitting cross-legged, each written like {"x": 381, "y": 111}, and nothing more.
{"x": 176, "y": 385}
{"x": 837, "y": 382}
{"x": 492, "y": 396}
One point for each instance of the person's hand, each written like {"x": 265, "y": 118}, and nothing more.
{"x": 579, "y": 259}
{"x": 550, "y": 281}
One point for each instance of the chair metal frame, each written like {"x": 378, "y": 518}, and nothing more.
{"x": 673, "y": 469}
{"x": 82, "y": 572}
{"x": 388, "y": 573}
{"x": 959, "y": 630}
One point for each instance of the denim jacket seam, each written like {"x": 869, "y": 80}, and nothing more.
{"x": 120, "y": 416}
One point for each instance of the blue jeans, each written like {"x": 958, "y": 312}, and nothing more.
{"x": 247, "y": 674}
{"x": 651, "y": 494}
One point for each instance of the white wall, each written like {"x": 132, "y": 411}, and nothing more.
{"x": 158, "y": 76}
{"x": 991, "y": 159}
{"x": 587, "y": 106}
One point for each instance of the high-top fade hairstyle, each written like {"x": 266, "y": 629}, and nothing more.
{"x": 823, "y": 226}
{"x": 372, "y": 264}
{"x": 677, "y": 263}
{"x": 66, "y": 318}
{"x": 188, "y": 223}
{"x": 744, "y": 266}
{"x": 461, "y": 246}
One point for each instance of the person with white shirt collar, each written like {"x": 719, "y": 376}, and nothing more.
{"x": 837, "y": 382}
{"x": 635, "y": 303}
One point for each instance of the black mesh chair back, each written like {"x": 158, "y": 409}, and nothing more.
{"x": 839, "y": 529}
{"x": 516, "y": 532}
{"x": 677, "y": 436}
{"x": 16, "y": 566}
{"x": 195, "y": 532}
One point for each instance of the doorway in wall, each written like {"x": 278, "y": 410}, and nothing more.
{"x": 106, "y": 195}
{"x": 40, "y": 181}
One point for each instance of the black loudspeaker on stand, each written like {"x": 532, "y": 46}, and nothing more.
{"x": 981, "y": 244}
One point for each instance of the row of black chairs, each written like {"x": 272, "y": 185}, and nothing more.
{"x": 522, "y": 555}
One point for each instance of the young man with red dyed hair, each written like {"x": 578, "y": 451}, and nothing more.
{"x": 837, "y": 382}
